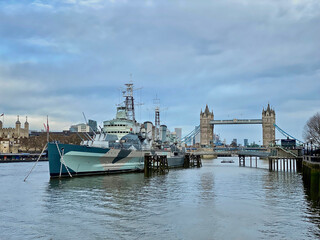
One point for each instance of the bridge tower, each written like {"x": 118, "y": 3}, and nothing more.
{"x": 206, "y": 129}
{"x": 268, "y": 128}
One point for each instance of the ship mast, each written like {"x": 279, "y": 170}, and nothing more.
{"x": 129, "y": 101}
{"x": 156, "y": 103}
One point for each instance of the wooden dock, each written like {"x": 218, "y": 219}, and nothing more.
{"x": 155, "y": 164}
{"x": 159, "y": 163}
{"x": 192, "y": 160}
{"x": 285, "y": 164}
{"x": 287, "y": 160}
{"x": 253, "y": 159}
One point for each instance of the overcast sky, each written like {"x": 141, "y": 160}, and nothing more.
{"x": 62, "y": 58}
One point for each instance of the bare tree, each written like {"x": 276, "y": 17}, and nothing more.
{"x": 312, "y": 130}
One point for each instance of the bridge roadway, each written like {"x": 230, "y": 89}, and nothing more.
{"x": 250, "y": 152}
{"x": 236, "y": 121}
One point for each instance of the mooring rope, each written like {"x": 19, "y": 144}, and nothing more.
{"x": 36, "y": 162}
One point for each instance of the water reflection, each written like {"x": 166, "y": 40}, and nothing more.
{"x": 118, "y": 191}
{"x": 311, "y": 183}
{"x": 105, "y": 182}
{"x": 213, "y": 202}
{"x": 119, "y": 202}
{"x": 207, "y": 186}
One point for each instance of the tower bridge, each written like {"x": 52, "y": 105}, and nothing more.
{"x": 280, "y": 157}
{"x": 207, "y": 122}
{"x": 267, "y": 121}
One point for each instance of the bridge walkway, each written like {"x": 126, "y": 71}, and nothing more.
{"x": 280, "y": 159}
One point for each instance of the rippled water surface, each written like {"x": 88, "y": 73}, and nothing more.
{"x": 217, "y": 201}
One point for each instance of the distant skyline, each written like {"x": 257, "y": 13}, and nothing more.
{"x": 62, "y": 58}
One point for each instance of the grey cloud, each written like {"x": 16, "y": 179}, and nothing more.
{"x": 70, "y": 56}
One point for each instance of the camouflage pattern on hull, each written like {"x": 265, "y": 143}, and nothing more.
{"x": 84, "y": 160}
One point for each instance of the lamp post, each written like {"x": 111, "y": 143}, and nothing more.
{"x": 309, "y": 142}
{"x": 305, "y": 148}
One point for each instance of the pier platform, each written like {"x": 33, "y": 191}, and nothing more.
{"x": 22, "y": 157}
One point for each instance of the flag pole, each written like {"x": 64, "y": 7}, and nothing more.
{"x": 47, "y": 129}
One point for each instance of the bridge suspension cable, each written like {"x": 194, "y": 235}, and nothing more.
{"x": 286, "y": 134}
{"x": 191, "y": 135}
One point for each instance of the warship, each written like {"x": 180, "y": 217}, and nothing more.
{"x": 119, "y": 147}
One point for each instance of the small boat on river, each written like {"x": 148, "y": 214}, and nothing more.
{"x": 227, "y": 161}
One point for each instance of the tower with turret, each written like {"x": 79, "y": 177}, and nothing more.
{"x": 10, "y": 137}
{"x": 26, "y": 126}
{"x": 268, "y": 128}
{"x": 206, "y": 129}
{"x": 18, "y": 127}
{"x": 15, "y": 133}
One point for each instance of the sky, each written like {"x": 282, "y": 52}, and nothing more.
{"x": 62, "y": 58}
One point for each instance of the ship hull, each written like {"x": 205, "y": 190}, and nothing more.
{"x": 175, "y": 161}
{"x": 83, "y": 160}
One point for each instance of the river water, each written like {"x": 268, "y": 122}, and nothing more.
{"x": 217, "y": 201}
